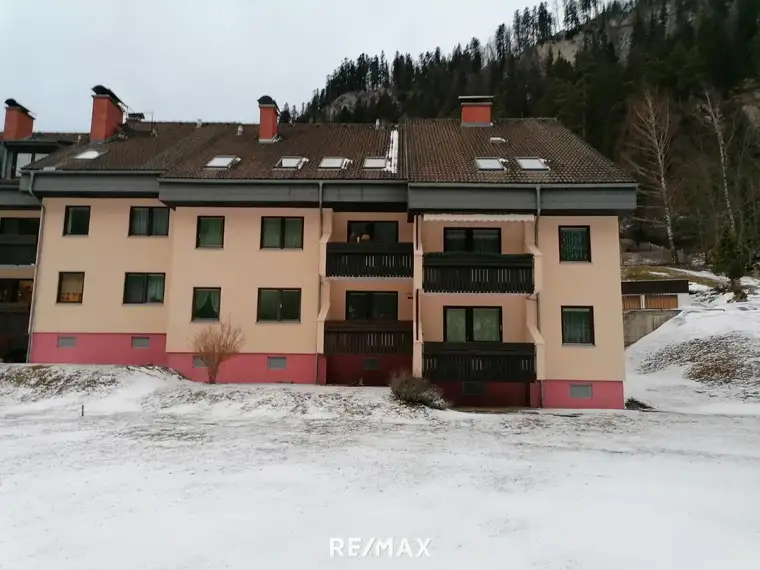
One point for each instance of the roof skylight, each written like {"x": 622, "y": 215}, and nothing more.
{"x": 222, "y": 161}
{"x": 88, "y": 155}
{"x": 375, "y": 162}
{"x": 532, "y": 164}
{"x": 292, "y": 162}
{"x": 490, "y": 163}
{"x": 334, "y": 162}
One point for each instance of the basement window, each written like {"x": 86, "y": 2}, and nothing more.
{"x": 334, "y": 162}
{"x": 375, "y": 162}
{"x": 490, "y": 163}
{"x": 88, "y": 155}
{"x": 222, "y": 161}
{"x": 580, "y": 391}
{"x": 532, "y": 163}
{"x": 292, "y": 162}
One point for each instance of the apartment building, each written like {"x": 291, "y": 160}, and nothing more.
{"x": 480, "y": 253}
{"x": 20, "y": 146}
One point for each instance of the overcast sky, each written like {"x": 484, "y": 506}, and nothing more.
{"x": 210, "y": 59}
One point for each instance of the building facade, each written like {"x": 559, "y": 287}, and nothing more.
{"x": 482, "y": 254}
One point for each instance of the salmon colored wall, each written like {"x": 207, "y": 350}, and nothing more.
{"x": 240, "y": 269}
{"x": 512, "y": 314}
{"x": 339, "y": 287}
{"x": 594, "y": 284}
{"x": 512, "y": 234}
{"x": 104, "y": 256}
{"x": 340, "y": 224}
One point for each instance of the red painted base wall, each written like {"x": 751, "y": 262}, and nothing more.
{"x": 495, "y": 395}
{"x": 98, "y": 348}
{"x": 605, "y": 395}
{"x": 348, "y": 369}
{"x": 253, "y": 368}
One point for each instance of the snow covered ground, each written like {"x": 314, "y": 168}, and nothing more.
{"x": 162, "y": 474}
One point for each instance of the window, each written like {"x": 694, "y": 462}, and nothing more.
{"x": 472, "y": 240}
{"x": 210, "y": 231}
{"x": 279, "y": 305}
{"x": 281, "y": 233}
{"x": 574, "y": 243}
{"x": 206, "y": 303}
{"x": 16, "y": 291}
{"x": 76, "y": 221}
{"x": 140, "y": 342}
{"x": 295, "y": 162}
{"x": 88, "y": 155}
{"x": 376, "y": 232}
{"x": 70, "y": 287}
{"x": 198, "y": 362}
{"x": 222, "y": 162}
{"x": 371, "y": 305}
{"x": 277, "y": 362}
{"x": 580, "y": 391}
{"x": 142, "y": 288}
{"x": 374, "y": 162}
{"x": 490, "y": 163}
{"x": 577, "y": 325}
{"x": 334, "y": 162}
{"x": 66, "y": 342}
{"x": 472, "y": 324}
{"x": 19, "y": 226}
{"x": 148, "y": 221}
{"x": 22, "y": 159}
{"x": 532, "y": 164}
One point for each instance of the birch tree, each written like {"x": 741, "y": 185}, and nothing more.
{"x": 652, "y": 131}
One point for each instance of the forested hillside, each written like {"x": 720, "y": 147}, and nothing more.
{"x": 670, "y": 89}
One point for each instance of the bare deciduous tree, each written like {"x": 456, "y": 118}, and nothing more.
{"x": 216, "y": 343}
{"x": 652, "y": 129}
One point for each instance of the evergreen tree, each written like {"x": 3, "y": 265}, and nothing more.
{"x": 729, "y": 258}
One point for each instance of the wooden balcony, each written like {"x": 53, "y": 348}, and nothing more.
{"x": 18, "y": 250}
{"x": 479, "y": 361}
{"x": 477, "y": 273}
{"x": 367, "y": 259}
{"x": 368, "y": 337}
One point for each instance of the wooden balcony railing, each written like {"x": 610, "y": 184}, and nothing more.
{"x": 367, "y": 259}
{"x": 478, "y": 273}
{"x": 368, "y": 337}
{"x": 479, "y": 361}
{"x": 18, "y": 250}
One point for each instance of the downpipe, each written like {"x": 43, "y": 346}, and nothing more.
{"x": 38, "y": 256}
{"x": 319, "y": 291}
{"x": 538, "y": 294}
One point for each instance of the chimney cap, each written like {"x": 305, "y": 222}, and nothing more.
{"x": 13, "y": 104}
{"x": 101, "y": 91}
{"x": 267, "y": 101}
{"x": 476, "y": 99}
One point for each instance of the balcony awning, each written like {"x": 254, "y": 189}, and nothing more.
{"x": 470, "y": 218}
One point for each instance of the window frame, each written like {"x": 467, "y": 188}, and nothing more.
{"x": 66, "y": 217}
{"x": 61, "y": 275}
{"x": 279, "y": 306}
{"x": 151, "y": 212}
{"x": 371, "y": 223}
{"x": 145, "y": 277}
{"x": 588, "y": 243}
{"x": 590, "y": 310}
{"x": 195, "y": 319}
{"x": 470, "y": 321}
{"x": 469, "y": 238}
{"x": 281, "y": 220}
{"x": 198, "y": 232}
{"x": 370, "y": 305}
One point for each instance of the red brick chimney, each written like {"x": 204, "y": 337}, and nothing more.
{"x": 19, "y": 122}
{"x": 476, "y": 110}
{"x": 107, "y": 114}
{"x": 268, "y": 120}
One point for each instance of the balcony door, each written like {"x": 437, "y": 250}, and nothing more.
{"x": 372, "y": 232}
{"x": 472, "y": 240}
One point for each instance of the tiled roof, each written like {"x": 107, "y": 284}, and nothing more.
{"x": 442, "y": 150}
{"x": 259, "y": 161}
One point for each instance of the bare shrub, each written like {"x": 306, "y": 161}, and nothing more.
{"x": 412, "y": 390}
{"x": 216, "y": 343}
